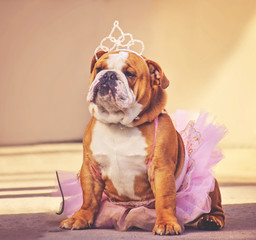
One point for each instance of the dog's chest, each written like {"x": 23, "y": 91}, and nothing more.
{"x": 121, "y": 153}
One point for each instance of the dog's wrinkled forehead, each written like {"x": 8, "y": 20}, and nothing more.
{"x": 117, "y": 60}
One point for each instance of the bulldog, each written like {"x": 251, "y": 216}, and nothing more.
{"x": 123, "y": 156}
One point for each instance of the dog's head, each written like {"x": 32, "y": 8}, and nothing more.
{"x": 125, "y": 88}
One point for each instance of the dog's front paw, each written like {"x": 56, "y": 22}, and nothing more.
{"x": 77, "y": 221}
{"x": 209, "y": 222}
{"x": 75, "y": 224}
{"x": 167, "y": 229}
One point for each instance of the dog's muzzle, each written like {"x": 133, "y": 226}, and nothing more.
{"x": 107, "y": 84}
{"x": 110, "y": 89}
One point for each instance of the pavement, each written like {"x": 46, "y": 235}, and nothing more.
{"x": 27, "y": 209}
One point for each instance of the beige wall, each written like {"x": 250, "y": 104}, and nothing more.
{"x": 206, "y": 48}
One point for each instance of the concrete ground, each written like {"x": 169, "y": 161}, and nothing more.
{"x": 27, "y": 210}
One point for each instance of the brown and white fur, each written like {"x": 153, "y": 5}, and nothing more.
{"x": 126, "y": 94}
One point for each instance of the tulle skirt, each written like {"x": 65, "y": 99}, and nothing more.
{"x": 201, "y": 137}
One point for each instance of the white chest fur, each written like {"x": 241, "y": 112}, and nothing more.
{"x": 121, "y": 153}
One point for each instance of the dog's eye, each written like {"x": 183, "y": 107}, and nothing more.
{"x": 130, "y": 75}
{"x": 98, "y": 69}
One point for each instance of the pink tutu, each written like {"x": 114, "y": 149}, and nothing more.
{"x": 200, "y": 137}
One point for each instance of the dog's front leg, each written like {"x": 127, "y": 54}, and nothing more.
{"x": 163, "y": 186}
{"x": 92, "y": 192}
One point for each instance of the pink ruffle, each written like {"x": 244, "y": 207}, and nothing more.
{"x": 200, "y": 138}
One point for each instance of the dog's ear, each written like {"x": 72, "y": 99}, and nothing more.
{"x": 157, "y": 75}
{"x": 94, "y": 60}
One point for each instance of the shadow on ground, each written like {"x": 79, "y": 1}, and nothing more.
{"x": 240, "y": 224}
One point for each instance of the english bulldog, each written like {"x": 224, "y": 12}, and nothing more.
{"x": 122, "y": 155}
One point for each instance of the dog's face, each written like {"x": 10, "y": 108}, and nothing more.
{"x": 122, "y": 85}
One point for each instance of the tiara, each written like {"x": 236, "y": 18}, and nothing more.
{"x": 124, "y": 42}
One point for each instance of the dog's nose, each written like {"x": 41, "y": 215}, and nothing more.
{"x": 109, "y": 75}
{"x": 108, "y": 83}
